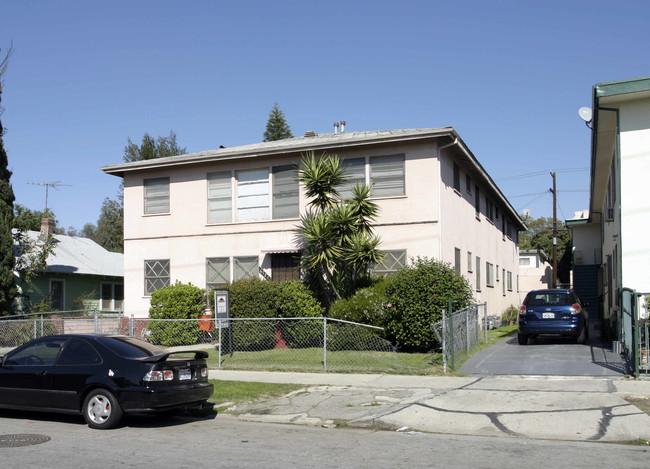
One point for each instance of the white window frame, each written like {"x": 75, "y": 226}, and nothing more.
{"x": 219, "y": 187}
{"x": 113, "y": 305}
{"x": 285, "y": 192}
{"x": 489, "y": 274}
{"x": 156, "y": 196}
{"x": 253, "y": 194}
{"x": 391, "y": 185}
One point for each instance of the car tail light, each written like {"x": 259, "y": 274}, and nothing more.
{"x": 168, "y": 375}
{"x": 153, "y": 375}
{"x": 522, "y": 310}
{"x": 575, "y": 309}
{"x": 204, "y": 372}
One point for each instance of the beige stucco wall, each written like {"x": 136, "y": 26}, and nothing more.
{"x": 461, "y": 228}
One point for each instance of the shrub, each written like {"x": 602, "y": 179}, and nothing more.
{"x": 297, "y": 301}
{"x": 254, "y": 298}
{"x": 510, "y": 314}
{"x": 416, "y": 296}
{"x": 367, "y": 306}
{"x": 178, "y": 301}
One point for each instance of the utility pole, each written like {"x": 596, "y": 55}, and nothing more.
{"x": 554, "y": 232}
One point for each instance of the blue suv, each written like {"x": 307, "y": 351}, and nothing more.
{"x": 554, "y": 312}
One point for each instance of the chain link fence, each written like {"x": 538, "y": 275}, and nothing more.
{"x": 460, "y": 331}
{"x": 17, "y": 330}
{"x": 287, "y": 344}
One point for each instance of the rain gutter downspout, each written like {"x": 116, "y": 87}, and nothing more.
{"x": 440, "y": 148}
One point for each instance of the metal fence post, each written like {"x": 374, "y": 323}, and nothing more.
{"x": 451, "y": 336}
{"x": 485, "y": 319}
{"x": 96, "y": 321}
{"x": 467, "y": 339}
{"x": 220, "y": 343}
{"x": 444, "y": 342}
{"x": 324, "y": 344}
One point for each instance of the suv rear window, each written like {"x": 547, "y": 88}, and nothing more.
{"x": 549, "y": 298}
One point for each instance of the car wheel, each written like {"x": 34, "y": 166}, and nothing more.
{"x": 582, "y": 337}
{"x": 522, "y": 338}
{"x": 101, "y": 409}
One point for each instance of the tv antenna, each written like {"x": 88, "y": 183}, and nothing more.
{"x": 53, "y": 185}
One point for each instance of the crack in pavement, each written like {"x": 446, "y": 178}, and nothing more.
{"x": 603, "y": 424}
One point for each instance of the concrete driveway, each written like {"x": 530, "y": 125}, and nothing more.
{"x": 547, "y": 356}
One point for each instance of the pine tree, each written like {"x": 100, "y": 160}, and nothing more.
{"x": 277, "y": 127}
{"x": 8, "y": 289}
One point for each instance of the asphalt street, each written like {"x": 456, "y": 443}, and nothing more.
{"x": 225, "y": 442}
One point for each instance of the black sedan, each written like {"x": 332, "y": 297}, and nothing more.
{"x": 101, "y": 377}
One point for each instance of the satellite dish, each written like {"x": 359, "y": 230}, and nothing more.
{"x": 585, "y": 114}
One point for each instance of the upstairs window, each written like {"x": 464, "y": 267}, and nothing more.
{"x": 219, "y": 197}
{"x": 387, "y": 175}
{"x": 355, "y": 173}
{"x": 156, "y": 196}
{"x": 285, "y": 192}
{"x": 253, "y": 202}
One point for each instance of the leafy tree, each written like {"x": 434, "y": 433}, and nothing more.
{"x": 540, "y": 236}
{"x": 337, "y": 239}
{"x": 8, "y": 288}
{"x": 151, "y": 148}
{"x": 110, "y": 226}
{"x": 277, "y": 127}
{"x": 26, "y": 219}
{"x": 109, "y": 231}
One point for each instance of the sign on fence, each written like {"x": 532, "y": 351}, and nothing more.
{"x": 222, "y": 308}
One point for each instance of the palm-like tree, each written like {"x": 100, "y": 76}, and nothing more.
{"x": 337, "y": 239}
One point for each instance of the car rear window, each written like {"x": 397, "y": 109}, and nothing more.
{"x": 553, "y": 299}
{"x": 131, "y": 348}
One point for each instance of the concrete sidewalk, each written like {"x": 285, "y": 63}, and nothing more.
{"x": 545, "y": 407}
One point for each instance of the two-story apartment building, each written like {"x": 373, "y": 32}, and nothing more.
{"x": 221, "y": 215}
{"x": 612, "y": 246}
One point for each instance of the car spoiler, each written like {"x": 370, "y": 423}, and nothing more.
{"x": 198, "y": 354}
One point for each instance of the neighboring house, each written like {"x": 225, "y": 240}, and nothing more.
{"x": 78, "y": 269}
{"x": 217, "y": 216}
{"x": 586, "y": 261}
{"x": 535, "y": 272}
{"x": 615, "y": 234}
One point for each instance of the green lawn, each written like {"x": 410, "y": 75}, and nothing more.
{"x": 311, "y": 359}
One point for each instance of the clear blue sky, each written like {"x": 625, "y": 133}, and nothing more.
{"x": 508, "y": 75}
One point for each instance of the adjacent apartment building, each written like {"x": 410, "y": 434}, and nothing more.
{"x": 611, "y": 243}
{"x": 217, "y": 216}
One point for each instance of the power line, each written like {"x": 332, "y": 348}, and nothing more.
{"x": 540, "y": 173}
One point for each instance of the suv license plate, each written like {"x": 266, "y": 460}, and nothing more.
{"x": 185, "y": 374}
{"x": 548, "y": 315}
